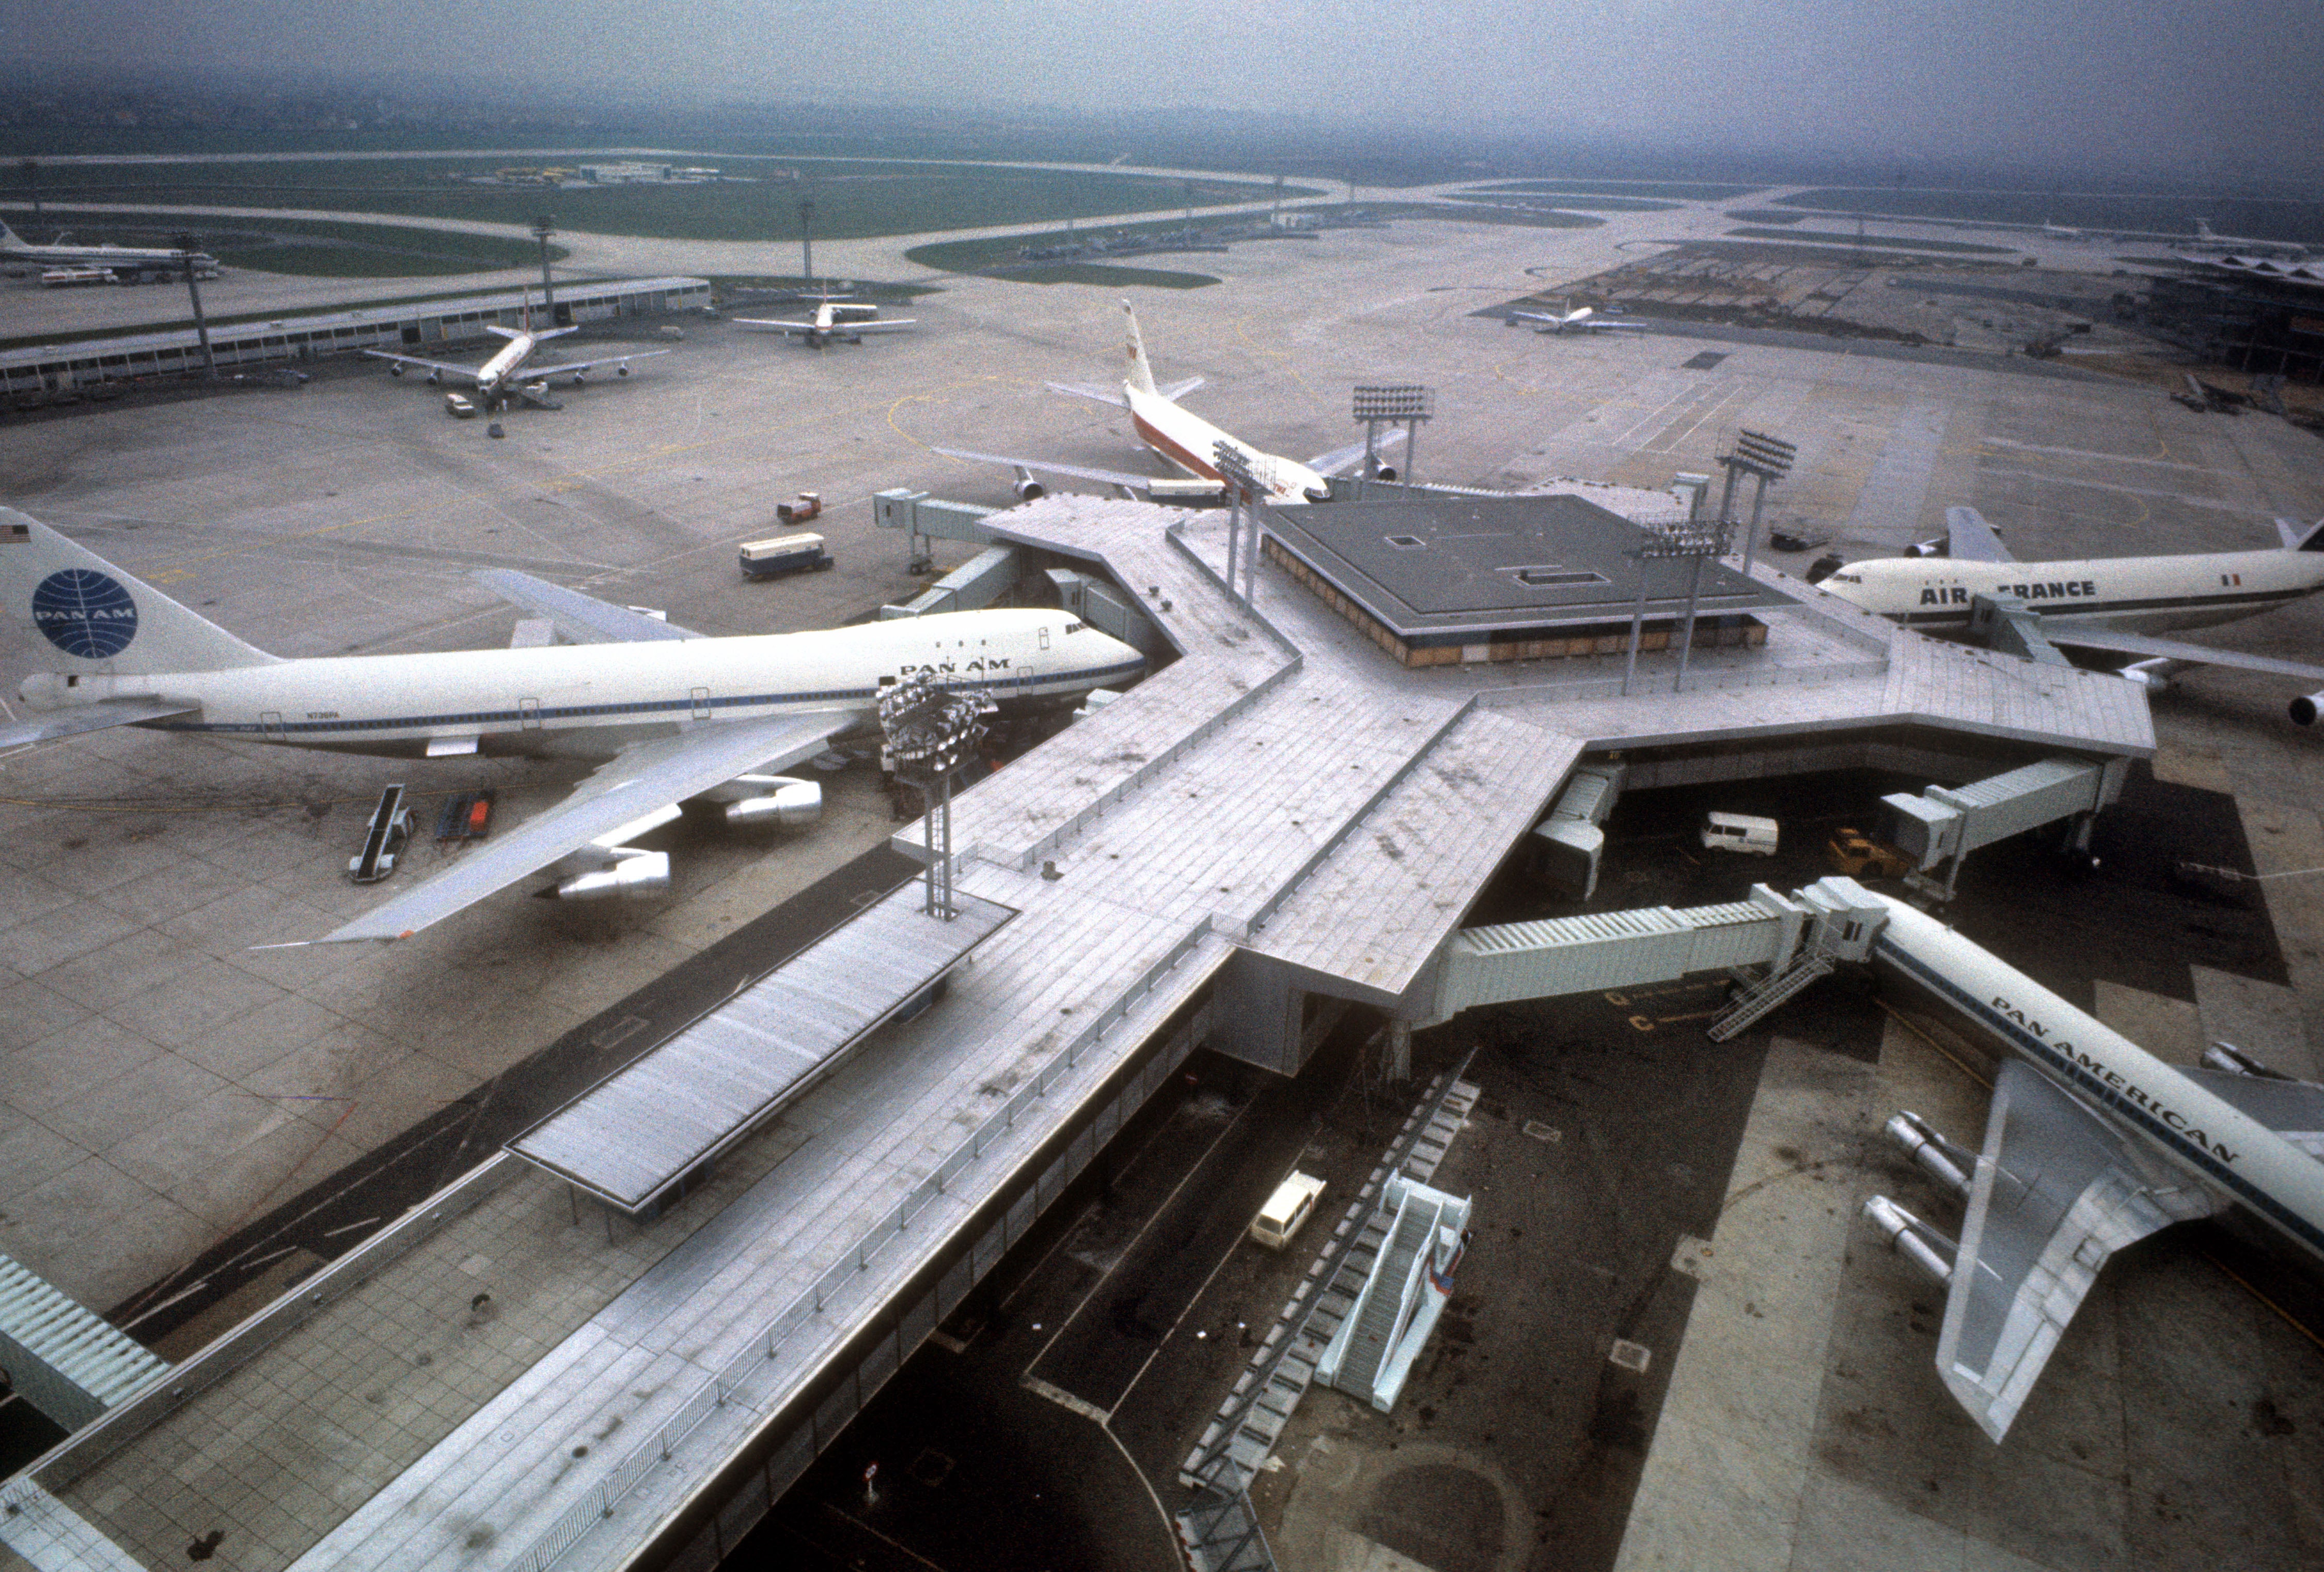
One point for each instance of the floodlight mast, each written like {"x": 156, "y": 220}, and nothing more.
{"x": 1245, "y": 486}
{"x": 929, "y": 734}
{"x": 543, "y": 229}
{"x": 1405, "y": 404}
{"x": 1765, "y": 458}
{"x": 1695, "y": 540}
{"x": 187, "y": 250}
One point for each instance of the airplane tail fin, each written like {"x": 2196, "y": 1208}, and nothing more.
{"x": 1140, "y": 374}
{"x": 2296, "y": 539}
{"x": 92, "y": 618}
{"x": 9, "y": 237}
{"x": 2203, "y": 229}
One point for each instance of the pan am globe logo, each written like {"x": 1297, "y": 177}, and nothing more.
{"x": 85, "y": 613}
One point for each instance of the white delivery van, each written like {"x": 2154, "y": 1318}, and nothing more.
{"x": 1739, "y": 832}
{"x": 1286, "y": 1210}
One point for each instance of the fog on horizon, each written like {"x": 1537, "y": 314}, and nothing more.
{"x": 2212, "y": 91}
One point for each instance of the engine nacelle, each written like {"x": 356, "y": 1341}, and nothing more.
{"x": 1386, "y": 472}
{"x": 1912, "y": 1239}
{"x": 2305, "y": 710}
{"x": 1029, "y": 489}
{"x": 395, "y": 368}
{"x": 435, "y": 379}
{"x": 579, "y": 377}
{"x": 2158, "y": 676}
{"x": 791, "y": 802}
{"x": 639, "y": 876}
{"x": 1935, "y": 548}
{"x": 622, "y": 369}
{"x": 1940, "y": 1159}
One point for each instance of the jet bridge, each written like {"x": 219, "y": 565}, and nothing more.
{"x": 1780, "y": 943}
{"x": 1944, "y": 824}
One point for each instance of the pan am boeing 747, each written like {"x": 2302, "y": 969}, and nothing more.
{"x": 671, "y": 716}
{"x": 510, "y": 371}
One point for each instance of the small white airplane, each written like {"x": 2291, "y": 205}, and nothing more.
{"x": 1184, "y": 441}
{"x": 2207, "y": 238}
{"x": 833, "y": 318}
{"x": 675, "y": 716}
{"x": 2060, "y": 231}
{"x": 1576, "y": 319}
{"x": 510, "y": 372}
{"x": 2092, "y": 1144}
{"x": 2111, "y": 605}
{"x": 123, "y": 262}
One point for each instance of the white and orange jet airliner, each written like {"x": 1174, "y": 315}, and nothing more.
{"x": 1183, "y": 438}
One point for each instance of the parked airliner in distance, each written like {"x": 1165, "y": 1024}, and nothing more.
{"x": 510, "y": 372}
{"x": 126, "y": 263}
{"x": 1573, "y": 320}
{"x": 677, "y": 715}
{"x": 2109, "y": 605}
{"x": 1183, "y": 440}
{"x": 834, "y": 318}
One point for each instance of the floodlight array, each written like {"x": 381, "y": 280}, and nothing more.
{"x": 1769, "y": 458}
{"x": 1395, "y": 402}
{"x": 930, "y": 733}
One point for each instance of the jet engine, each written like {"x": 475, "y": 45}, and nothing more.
{"x": 1949, "y": 1165}
{"x": 435, "y": 379}
{"x": 579, "y": 377}
{"x": 2158, "y": 676}
{"x": 622, "y": 369}
{"x": 1027, "y": 488}
{"x": 1387, "y": 472}
{"x": 1912, "y": 1239}
{"x": 1932, "y": 548}
{"x": 2305, "y": 710}
{"x": 395, "y": 368}
{"x": 639, "y": 876}
{"x": 789, "y": 802}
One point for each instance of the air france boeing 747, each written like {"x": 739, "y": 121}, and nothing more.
{"x": 674, "y": 715}
{"x": 2109, "y": 605}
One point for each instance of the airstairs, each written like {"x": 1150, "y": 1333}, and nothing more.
{"x": 1768, "y": 995}
{"x": 1373, "y": 1350}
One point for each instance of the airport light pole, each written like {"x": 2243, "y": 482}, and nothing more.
{"x": 543, "y": 229}
{"x": 186, "y": 251}
{"x": 807, "y": 241}
{"x": 1690, "y": 540}
{"x": 32, "y": 167}
{"x": 1405, "y": 404}
{"x": 1245, "y": 486}
{"x": 1765, "y": 458}
{"x": 930, "y": 733}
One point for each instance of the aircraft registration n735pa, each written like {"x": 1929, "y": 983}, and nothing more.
{"x": 675, "y": 716}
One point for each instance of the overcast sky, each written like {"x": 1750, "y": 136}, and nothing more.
{"x": 2218, "y": 86}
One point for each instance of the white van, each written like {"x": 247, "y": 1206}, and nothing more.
{"x": 1286, "y": 1210}
{"x": 1739, "y": 832}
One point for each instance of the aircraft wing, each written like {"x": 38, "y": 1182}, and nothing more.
{"x": 1549, "y": 316}
{"x": 2292, "y": 1109}
{"x": 1343, "y": 460}
{"x": 89, "y": 717}
{"x": 1970, "y": 539}
{"x": 886, "y": 325}
{"x": 440, "y": 367}
{"x": 578, "y": 618}
{"x": 2067, "y": 636}
{"x": 773, "y": 322}
{"x": 2058, "y": 1189}
{"x": 637, "y": 783}
{"x": 529, "y": 372}
{"x": 1050, "y": 467}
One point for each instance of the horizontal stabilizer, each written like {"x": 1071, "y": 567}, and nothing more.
{"x": 1082, "y": 390}
{"x": 90, "y": 718}
{"x": 1139, "y": 482}
{"x": 578, "y": 618}
{"x": 2300, "y": 538}
{"x": 1343, "y": 460}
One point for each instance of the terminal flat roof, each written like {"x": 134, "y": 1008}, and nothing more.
{"x": 640, "y": 1132}
{"x": 1459, "y": 567}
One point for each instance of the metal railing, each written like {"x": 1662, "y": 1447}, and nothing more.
{"x": 733, "y": 1381}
